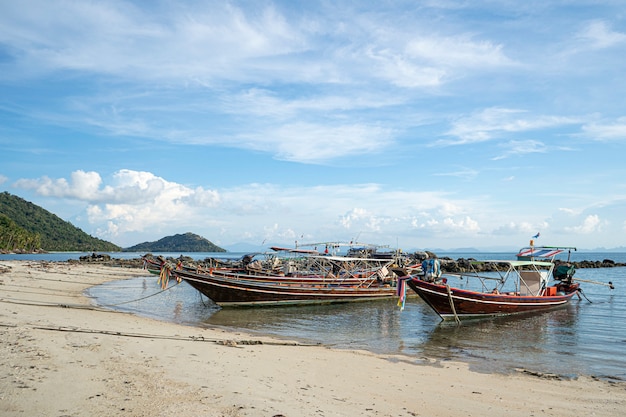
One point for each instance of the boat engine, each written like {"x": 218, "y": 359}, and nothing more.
{"x": 564, "y": 273}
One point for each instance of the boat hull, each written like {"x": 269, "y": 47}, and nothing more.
{"x": 234, "y": 292}
{"x": 455, "y": 304}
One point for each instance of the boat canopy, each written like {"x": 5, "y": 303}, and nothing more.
{"x": 544, "y": 252}
{"x": 515, "y": 264}
{"x": 527, "y": 276}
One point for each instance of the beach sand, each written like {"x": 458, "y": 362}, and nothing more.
{"x": 63, "y": 357}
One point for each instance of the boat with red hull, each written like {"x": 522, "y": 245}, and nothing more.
{"x": 455, "y": 303}
{"x": 495, "y": 288}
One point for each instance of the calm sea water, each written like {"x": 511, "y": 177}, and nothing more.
{"x": 588, "y": 337}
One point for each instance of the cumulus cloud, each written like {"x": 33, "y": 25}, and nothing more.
{"x": 82, "y": 186}
{"x": 590, "y": 224}
{"x": 447, "y": 226}
{"x": 126, "y": 187}
{"x": 135, "y": 203}
{"x": 132, "y": 201}
{"x": 521, "y": 228}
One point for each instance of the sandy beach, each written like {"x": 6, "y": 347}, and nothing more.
{"x": 63, "y": 357}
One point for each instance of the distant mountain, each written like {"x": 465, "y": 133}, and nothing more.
{"x": 464, "y": 250}
{"x": 25, "y": 226}
{"x": 187, "y": 242}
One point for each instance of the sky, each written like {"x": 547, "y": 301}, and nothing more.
{"x": 410, "y": 124}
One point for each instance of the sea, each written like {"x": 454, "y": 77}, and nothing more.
{"x": 587, "y": 337}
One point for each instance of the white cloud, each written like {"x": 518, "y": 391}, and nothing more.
{"x": 590, "y": 224}
{"x": 415, "y": 60}
{"x": 403, "y": 72}
{"x": 521, "y": 228}
{"x": 447, "y": 226}
{"x": 606, "y": 131}
{"x": 598, "y": 35}
{"x": 131, "y": 204}
{"x": 497, "y": 122}
{"x": 134, "y": 202}
{"x": 522, "y": 147}
{"x": 568, "y": 210}
{"x": 148, "y": 43}
{"x": 466, "y": 224}
{"x": 309, "y": 143}
{"x": 82, "y": 186}
{"x": 458, "y": 51}
{"x": 465, "y": 174}
{"x": 360, "y": 89}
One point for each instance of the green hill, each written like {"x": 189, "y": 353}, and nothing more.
{"x": 187, "y": 242}
{"x": 25, "y": 226}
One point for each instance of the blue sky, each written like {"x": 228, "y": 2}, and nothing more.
{"x": 431, "y": 124}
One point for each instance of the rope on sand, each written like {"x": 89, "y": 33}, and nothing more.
{"x": 225, "y": 342}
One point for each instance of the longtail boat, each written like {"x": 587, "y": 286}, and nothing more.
{"x": 315, "y": 279}
{"x": 497, "y": 287}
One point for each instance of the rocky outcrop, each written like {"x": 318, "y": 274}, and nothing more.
{"x": 465, "y": 264}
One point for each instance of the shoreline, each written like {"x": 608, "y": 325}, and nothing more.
{"x": 64, "y": 356}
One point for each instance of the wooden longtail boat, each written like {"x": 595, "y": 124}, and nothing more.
{"x": 232, "y": 291}
{"x": 326, "y": 270}
{"x": 518, "y": 286}
{"x": 317, "y": 280}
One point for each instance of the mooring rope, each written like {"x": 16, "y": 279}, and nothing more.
{"x": 458, "y": 321}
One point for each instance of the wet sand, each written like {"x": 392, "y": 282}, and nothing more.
{"x": 63, "y": 357}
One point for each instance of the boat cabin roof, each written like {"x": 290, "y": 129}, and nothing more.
{"x": 516, "y": 264}
{"x": 543, "y": 252}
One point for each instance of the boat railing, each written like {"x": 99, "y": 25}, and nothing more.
{"x": 519, "y": 278}
{"x": 526, "y": 278}
{"x": 474, "y": 276}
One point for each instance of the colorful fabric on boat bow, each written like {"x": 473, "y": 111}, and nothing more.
{"x": 166, "y": 273}
{"x": 401, "y": 291}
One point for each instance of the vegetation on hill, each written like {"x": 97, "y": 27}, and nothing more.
{"x": 13, "y": 237}
{"x": 187, "y": 242}
{"x": 26, "y": 227}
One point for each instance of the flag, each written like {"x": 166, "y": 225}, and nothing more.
{"x": 536, "y": 236}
